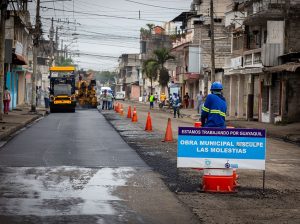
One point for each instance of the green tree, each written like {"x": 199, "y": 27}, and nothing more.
{"x": 147, "y": 32}
{"x": 150, "y": 68}
{"x": 105, "y": 77}
{"x": 162, "y": 55}
{"x": 64, "y": 61}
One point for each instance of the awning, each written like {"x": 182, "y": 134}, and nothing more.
{"x": 289, "y": 67}
{"x": 191, "y": 75}
{"x": 244, "y": 71}
{"x": 183, "y": 16}
{"x": 18, "y": 59}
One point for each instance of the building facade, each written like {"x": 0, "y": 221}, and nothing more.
{"x": 192, "y": 48}
{"x": 262, "y": 73}
{"x": 129, "y": 72}
{"x": 18, "y": 45}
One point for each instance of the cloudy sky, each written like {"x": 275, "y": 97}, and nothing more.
{"x": 101, "y": 30}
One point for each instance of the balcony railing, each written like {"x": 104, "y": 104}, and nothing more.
{"x": 252, "y": 58}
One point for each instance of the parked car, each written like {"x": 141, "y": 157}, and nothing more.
{"x": 120, "y": 95}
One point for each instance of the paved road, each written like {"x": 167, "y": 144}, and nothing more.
{"x": 75, "y": 168}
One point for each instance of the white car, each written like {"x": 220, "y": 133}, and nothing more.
{"x": 120, "y": 95}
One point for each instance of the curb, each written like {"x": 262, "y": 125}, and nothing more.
{"x": 15, "y": 129}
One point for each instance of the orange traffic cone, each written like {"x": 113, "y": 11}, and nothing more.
{"x": 134, "y": 117}
{"x": 129, "y": 112}
{"x": 121, "y": 112}
{"x": 148, "y": 123}
{"x": 117, "y": 108}
{"x": 169, "y": 134}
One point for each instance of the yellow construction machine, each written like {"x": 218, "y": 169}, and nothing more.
{"x": 86, "y": 93}
{"x": 62, "y": 89}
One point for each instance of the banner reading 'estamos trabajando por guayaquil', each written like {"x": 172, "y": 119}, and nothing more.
{"x": 221, "y": 148}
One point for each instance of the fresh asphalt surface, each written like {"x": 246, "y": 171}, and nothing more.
{"x": 75, "y": 168}
{"x": 83, "y": 138}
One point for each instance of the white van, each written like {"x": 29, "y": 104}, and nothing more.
{"x": 120, "y": 95}
{"x": 108, "y": 89}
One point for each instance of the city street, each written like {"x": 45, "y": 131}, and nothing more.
{"x": 88, "y": 91}
{"x": 75, "y": 168}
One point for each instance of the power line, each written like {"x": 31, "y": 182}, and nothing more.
{"x": 156, "y": 6}
{"x": 103, "y": 15}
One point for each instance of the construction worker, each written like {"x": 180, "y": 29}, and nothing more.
{"x": 151, "y": 100}
{"x": 214, "y": 109}
{"x": 163, "y": 98}
{"x": 176, "y": 103}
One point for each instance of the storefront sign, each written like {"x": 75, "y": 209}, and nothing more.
{"x": 19, "y": 48}
{"x": 236, "y": 62}
{"x": 221, "y": 148}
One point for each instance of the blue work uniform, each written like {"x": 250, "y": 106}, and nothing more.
{"x": 214, "y": 111}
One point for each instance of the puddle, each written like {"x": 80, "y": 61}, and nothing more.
{"x": 61, "y": 190}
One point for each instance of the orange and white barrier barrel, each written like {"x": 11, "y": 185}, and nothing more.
{"x": 218, "y": 180}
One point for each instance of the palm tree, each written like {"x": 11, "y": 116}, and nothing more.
{"x": 151, "y": 68}
{"x": 146, "y": 33}
{"x": 162, "y": 56}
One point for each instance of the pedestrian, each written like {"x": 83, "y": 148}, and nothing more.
{"x": 163, "y": 98}
{"x": 46, "y": 97}
{"x": 176, "y": 104}
{"x": 214, "y": 109}
{"x": 151, "y": 100}
{"x": 156, "y": 98}
{"x": 186, "y": 100}
{"x": 103, "y": 97}
{"x": 6, "y": 100}
{"x": 145, "y": 96}
{"x": 38, "y": 96}
{"x": 109, "y": 100}
{"x": 200, "y": 102}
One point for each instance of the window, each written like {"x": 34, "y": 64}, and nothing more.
{"x": 238, "y": 41}
{"x": 248, "y": 59}
{"x": 257, "y": 58}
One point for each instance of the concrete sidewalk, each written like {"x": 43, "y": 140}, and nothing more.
{"x": 17, "y": 119}
{"x": 287, "y": 132}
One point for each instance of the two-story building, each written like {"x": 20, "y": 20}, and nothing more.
{"x": 129, "y": 75}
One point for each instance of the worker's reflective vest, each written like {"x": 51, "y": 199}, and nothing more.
{"x": 151, "y": 98}
{"x": 214, "y": 111}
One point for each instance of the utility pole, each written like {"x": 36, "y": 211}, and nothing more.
{"x": 51, "y": 43}
{"x": 212, "y": 36}
{"x": 36, "y": 36}
{"x": 3, "y": 6}
{"x": 56, "y": 44}
{"x": 61, "y": 51}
